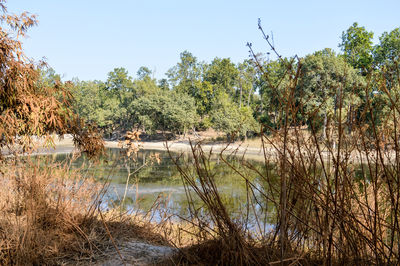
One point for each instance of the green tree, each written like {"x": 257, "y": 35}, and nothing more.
{"x": 163, "y": 84}
{"x": 357, "y": 47}
{"x": 388, "y": 51}
{"x": 184, "y": 75}
{"x": 387, "y": 56}
{"x": 204, "y": 97}
{"x": 96, "y": 104}
{"x": 271, "y": 88}
{"x": 326, "y": 79}
{"x": 143, "y": 72}
{"x": 166, "y": 111}
{"x": 245, "y": 83}
{"x": 89, "y": 100}
{"x": 109, "y": 104}
{"x": 223, "y": 75}
{"x": 120, "y": 91}
{"x": 48, "y": 77}
{"x": 144, "y": 84}
{"x": 387, "y": 59}
{"x": 234, "y": 121}
{"x": 119, "y": 81}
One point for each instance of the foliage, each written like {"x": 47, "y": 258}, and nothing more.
{"x": 246, "y": 80}
{"x": 223, "y": 75}
{"x": 30, "y": 106}
{"x": 185, "y": 73}
{"x": 271, "y": 89}
{"x": 220, "y": 89}
{"x": 166, "y": 111}
{"x": 227, "y": 117}
{"x": 109, "y": 103}
{"x": 387, "y": 57}
{"x": 388, "y": 51}
{"x": 357, "y": 47}
{"x": 145, "y": 85}
{"x": 326, "y": 78}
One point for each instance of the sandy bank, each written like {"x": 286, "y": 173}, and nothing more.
{"x": 252, "y": 152}
{"x": 184, "y": 146}
{"x": 66, "y": 145}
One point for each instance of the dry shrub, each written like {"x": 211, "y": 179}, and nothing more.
{"x": 335, "y": 191}
{"x": 45, "y": 212}
{"x": 28, "y": 107}
{"x": 49, "y": 214}
{"x": 213, "y": 236}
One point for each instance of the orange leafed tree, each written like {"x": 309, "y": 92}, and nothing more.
{"x": 27, "y": 108}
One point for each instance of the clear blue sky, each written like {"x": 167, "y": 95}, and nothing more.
{"x": 89, "y": 38}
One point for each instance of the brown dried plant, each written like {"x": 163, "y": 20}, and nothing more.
{"x": 27, "y": 108}
{"x": 130, "y": 147}
{"x": 335, "y": 194}
{"x": 131, "y": 143}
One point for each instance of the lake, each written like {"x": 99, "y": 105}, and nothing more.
{"x": 159, "y": 186}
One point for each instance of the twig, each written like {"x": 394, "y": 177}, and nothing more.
{"x": 109, "y": 234}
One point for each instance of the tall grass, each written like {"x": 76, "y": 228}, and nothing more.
{"x": 338, "y": 196}
{"x": 52, "y": 214}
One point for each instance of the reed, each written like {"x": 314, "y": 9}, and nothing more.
{"x": 338, "y": 196}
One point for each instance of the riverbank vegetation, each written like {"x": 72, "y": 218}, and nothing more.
{"x": 237, "y": 98}
{"x": 53, "y": 215}
{"x": 336, "y": 158}
{"x": 50, "y": 214}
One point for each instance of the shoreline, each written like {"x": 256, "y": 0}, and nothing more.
{"x": 66, "y": 145}
{"x": 184, "y": 146}
{"x": 251, "y": 152}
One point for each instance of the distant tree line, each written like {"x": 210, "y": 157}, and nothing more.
{"x": 236, "y": 98}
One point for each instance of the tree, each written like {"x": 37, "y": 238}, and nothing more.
{"x": 143, "y": 72}
{"x": 223, "y": 75}
{"x": 179, "y": 113}
{"x": 227, "y": 117}
{"x": 89, "y": 98}
{"x": 388, "y": 51}
{"x": 187, "y": 78}
{"x": 119, "y": 92}
{"x": 387, "y": 59}
{"x": 325, "y": 80}
{"x": 184, "y": 75}
{"x": 48, "y": 76}
{"x": 31, "y": 107}
{"x": 144, "y": 84}
{"x": 119, "y": 81}
{"x": 357, "y": 47}
{"x": 166, "y": 110}
{"x": 245, "y": 82}
{"x": 163, "y": 84}
{"x": 204, "y": 97}
{"x": 387, "y": 56}
{"x": 109, "y": 104}
{"x": 271, "y": 90}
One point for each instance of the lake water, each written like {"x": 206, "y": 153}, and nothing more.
{"x": 159, "y": 183}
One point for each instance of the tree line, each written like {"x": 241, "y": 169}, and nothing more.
{"x": 237, "y": 98}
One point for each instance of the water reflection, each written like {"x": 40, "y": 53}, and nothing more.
{"x": 161, "y": 184}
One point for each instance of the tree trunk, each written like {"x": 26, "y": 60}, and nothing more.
{"x": 248, "y": 98}
{"x": 324, "y": 126}
{"x": 240, "y": 97}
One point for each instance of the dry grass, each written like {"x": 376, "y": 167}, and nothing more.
{"x": 50, "y": 214}
{"x": 335, "y": 192}
{"x": 329, "y": 207}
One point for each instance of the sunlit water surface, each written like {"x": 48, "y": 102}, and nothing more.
{"x": 158, "y": 186}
